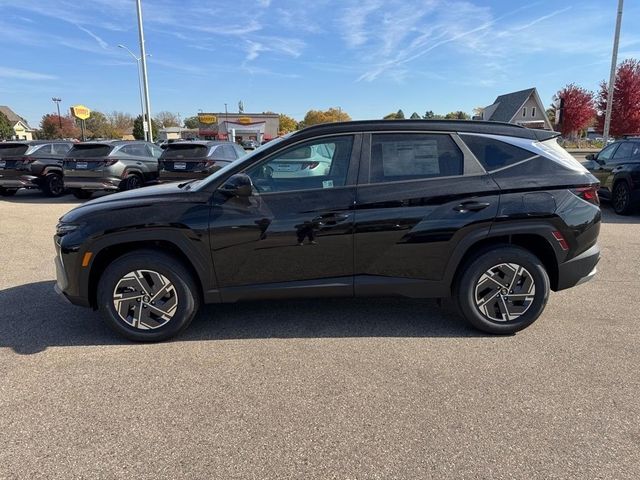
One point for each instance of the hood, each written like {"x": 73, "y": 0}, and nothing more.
{"x": 140, "y": 197}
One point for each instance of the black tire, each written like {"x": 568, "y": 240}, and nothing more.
{"x": 81, "y": 194}
{"x": 184, "y": 293}
{"x": 132, "y": 182}
{"x": 7, "y": 192}
{"x": 531, "y": 304}
{"x": 621, "y": 198}
{"x": 52, "y": 185}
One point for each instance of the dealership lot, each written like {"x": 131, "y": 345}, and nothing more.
{"x": 383, "y": 388}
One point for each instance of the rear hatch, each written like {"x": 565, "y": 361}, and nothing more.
{"x": 11, "y": 154}
{"x": 88, "y": 160}
{"x": 186, "y": 157}
{"x": 293, "y": 162}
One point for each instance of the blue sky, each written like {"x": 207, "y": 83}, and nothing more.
{"x": 369, "y": 57}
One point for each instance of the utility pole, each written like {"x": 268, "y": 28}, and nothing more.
{"x": 145, "y": 80}
{"x": 57, "y": 101}
{"x": 612, "y": 77}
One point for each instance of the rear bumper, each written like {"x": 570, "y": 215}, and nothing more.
{"x": 93, "y": 183}
{"x": 578, "y": 270}
{"x": 22, "y": 181}
{"x": 168, "y": 176}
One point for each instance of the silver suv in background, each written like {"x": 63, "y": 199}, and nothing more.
{"x": 110, "y": 165}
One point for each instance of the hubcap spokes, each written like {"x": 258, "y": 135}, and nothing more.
{"x": 505, "y": 292}
{"x": 145, "y": 299}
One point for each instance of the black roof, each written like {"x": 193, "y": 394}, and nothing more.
{"x": 460, "y": 126}
{"x": 110, "y": 142}
{"x": 509, "y": 104}
{"x": 206, "y": 143}
{"x": 35, "y": 142}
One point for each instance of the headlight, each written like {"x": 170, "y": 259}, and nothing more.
{"x": 64, "y": 228}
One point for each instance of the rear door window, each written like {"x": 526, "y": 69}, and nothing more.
{"x": 411, "y": 156}
{"x": 494, "y": 154}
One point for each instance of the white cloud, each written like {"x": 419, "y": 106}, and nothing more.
{"x": 8, "y": 72}
{"x": 100, "y": 41}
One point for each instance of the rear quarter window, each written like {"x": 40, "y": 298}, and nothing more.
{"x": 494, "y": 154}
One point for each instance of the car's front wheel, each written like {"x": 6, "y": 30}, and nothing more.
{"x": 504, "y": 290}
{"x": 147, "y": 296}
{"x": 621, "y": 198}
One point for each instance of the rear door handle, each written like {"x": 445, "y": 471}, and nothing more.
{"x": 471, "y": 206}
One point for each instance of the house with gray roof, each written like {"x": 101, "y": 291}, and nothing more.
{"x": 522, "y": 108}
{"x": 21, "y": 129}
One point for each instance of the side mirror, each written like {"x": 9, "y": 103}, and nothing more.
{"x": 591, "y": 156}
{"x": 238, "y": 185}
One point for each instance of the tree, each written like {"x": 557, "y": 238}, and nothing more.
{"x": 577, "y": 109}
{"x": 459, "y": 115}
{"x": 400, "y": 115}
{"x": 314, "y": 117}
{"x": 121, "y": 122}
{"x": 551, "y": 114}
{"x": 478, "y": 112}
{"x": 287, "y": 124}
{"x": 6, "y": 129}
{"x": 625, "y": 116}
{"x": 415, "y": 116}
{"x": 99, "y": 126}
{"x": 50, "y": 127}
{"x": 191, "y": 122}
{"x": 390, "y": 116}
{"x": 429, "y": 115}
{"x": 138, "y": 129}
{"x": 167, "y": 119}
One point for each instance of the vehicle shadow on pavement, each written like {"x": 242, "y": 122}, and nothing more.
{"x": 609, "y": 216}
{"x": 33, "y": 318}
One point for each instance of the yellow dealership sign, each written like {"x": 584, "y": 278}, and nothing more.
{"x": 207, "y": 118}
{"x": 80, "y": 112}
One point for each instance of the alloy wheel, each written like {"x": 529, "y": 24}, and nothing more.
{"x": 145, "y": 299}
{"x": 621, "y": 197}
{"x": 505, "y": 292}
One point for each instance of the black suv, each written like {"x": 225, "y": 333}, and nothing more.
{"x": 198, "y": 159}
{"x": 617, "y": 167}
{"x": 492, "y": 214}
{"x": 32, "y": 164}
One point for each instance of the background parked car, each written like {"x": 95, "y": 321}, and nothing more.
{"x": 617, "y": 167}
{"x": 197, "y": 159}
{"x": 110, "y": 165}
{"x": 250, "y": 144}
{"x": 34, "y": 164}
{"x": 312, "y": 161}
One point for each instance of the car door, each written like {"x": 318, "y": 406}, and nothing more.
{"x": 294, "y": 233}
{"x": 611, "y": 167}
{"x": 600, "y": 166}
{"x": 418, "y": 195}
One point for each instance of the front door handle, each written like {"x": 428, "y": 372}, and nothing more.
{"x": 471, "y": 206}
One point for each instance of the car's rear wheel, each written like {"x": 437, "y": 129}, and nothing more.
{"x": 52, "y": 185}
{"x": 132, "y": 182}
{"x": 147, "y": 296}
{"x": 503, "y": 290}
{"x": 7, "y": 192}
{"x": 81, "y": 194}
{"x": 621, "y": 198}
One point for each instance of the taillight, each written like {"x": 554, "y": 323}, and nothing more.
{"x": 589, "y": 194}
{"x": 309, "y": 165}
{"x": 111, "y": 161}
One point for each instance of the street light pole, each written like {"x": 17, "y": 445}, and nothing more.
{"x": 139, "y": 84}
{"x": 145, "y": 80}
{"x": 612, "y": 77}
{"x": 57, "y": 101}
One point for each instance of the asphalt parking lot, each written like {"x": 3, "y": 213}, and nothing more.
{"x": 344, "y": 389}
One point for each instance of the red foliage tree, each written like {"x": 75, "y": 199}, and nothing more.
{"x": 578, "y": 109}
{"x": 625, "y": 118}
{"x": 50, "y": 127}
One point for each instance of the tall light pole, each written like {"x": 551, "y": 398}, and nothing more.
{"x": 137, "y": 59}
{"x": 612, "y": 77}
{"x": 145, "y": 80}
{"x": 57, "y": 101}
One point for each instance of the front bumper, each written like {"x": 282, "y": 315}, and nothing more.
{"x": 93, "y": 183}
{"x": 578, "y": 270}
{"x": 70, "y": 292}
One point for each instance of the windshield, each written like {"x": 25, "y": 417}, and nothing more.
{"x": 212, "y": 178}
